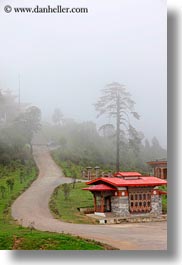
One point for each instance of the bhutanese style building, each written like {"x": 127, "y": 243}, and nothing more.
{"x": 127, "y": 194}
{"x": 159, "y": 168}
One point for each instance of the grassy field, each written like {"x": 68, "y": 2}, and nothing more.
{"x": 67, "y": 208}
{"x": 13, "y": 236}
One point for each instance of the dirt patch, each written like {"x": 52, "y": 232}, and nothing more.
{"x": 17, "y": 241}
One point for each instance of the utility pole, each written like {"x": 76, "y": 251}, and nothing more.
{"x": 19, "y": 89}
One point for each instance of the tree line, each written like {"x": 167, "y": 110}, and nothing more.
{"x": 83, "y": 144}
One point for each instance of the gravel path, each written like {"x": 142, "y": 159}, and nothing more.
{"x": 32, "y": 207}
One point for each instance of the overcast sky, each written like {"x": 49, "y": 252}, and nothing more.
{"x": 65, "y": 59}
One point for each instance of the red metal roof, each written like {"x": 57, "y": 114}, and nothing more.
{"x": 100, "y": 187}
{"x": 121, "y": 182}
{"x": 127, "y": 174}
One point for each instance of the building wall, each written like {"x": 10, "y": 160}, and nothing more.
{"x": 159, "y": 169}
{"x": 120, "y": 206}
{"x": 156, "y": 201}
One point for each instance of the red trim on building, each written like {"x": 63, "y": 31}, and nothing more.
{"x": 162, "y": 192}
{"x": 127, "y": 174}
{"x": 121, "y": 193}
{"x": 100, "y": 187}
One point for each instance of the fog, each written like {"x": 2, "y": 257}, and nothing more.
{"x": 64, "y": 60}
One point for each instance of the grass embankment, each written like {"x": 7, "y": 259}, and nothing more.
{"x": 72, "y": 169}
{"x": 13, "y": 236}
{"x": 66, "y": 209}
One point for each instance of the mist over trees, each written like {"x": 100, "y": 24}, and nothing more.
{"x": 57, "y": 117}
{"x": 82, "y": 143}
{"x": 18, "y": 125}
{"x": 115, "y": 145}
{"x": 28, "y": 123}
{"x": 79, "y": 142}
{"x": 9, "y": 108}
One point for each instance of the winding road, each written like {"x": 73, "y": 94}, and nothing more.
{"x": 32, "y": 208}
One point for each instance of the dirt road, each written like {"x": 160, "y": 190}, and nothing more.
{"x": 32, "y": 207}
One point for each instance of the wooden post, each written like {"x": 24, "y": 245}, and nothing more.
{"x": 102, "y": 203}
{"x": 162, "y": 173}
{"x": 156, "y": 172}
{"x": 95, "y": 204}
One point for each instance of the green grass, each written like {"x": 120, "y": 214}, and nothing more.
{"x": 13, "y": 236}
{"x": 24, "y": 239}
{"x": 71, "y": 168}
{"x": 164, "y": 200}
{"x": 67, "y": 209}
{"x": 36, "y": 240}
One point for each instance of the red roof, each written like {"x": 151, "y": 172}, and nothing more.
{"x": 121, "y": 182}
{"x": 99, "y": 187}
{"x": 127, "y": 174}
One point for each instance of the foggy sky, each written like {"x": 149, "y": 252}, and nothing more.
{"x": 65, "y": 59}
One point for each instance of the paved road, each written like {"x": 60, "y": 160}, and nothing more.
{"x": 32, "y": 206}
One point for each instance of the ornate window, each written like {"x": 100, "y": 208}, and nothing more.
{"x": 140, "y": 200}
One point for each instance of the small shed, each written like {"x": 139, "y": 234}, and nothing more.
{"x": 126, "y": 194}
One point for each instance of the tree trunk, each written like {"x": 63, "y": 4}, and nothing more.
{"x": 31, "y": 148}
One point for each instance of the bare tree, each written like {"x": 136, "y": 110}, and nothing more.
{"x": 66, "y": 190}
{"x": 73, "y": 178}
{"x": 116, "y": 103}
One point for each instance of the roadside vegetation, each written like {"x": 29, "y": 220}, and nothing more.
{"x": 78, "y": 170}
{"x": 67, "y": 208}
{"x": 13, "y": 236}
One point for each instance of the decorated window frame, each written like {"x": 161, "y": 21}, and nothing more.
{"x": 140, "y": 200}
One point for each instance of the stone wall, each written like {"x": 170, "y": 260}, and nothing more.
{"x": 156, "y": 203}
{"x": 119, "y": 206}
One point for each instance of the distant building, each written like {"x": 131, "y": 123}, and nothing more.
{"x": 159, "y": 168}
{"x": 127, "y": 194}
